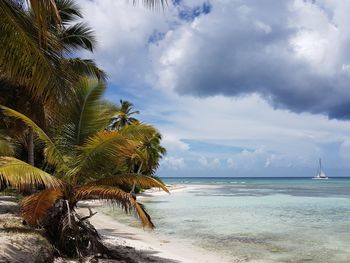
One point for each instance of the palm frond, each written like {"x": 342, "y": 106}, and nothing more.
{"x": 115, "y": 196}
{"x": 53, "y": 155}
{"x": 34, "y": 208}
{"x": 68, "y": 11}
{"x": 137, "y": 179}
{"x": 106, "y": 144}
{"x": 21, "y": 57}
{"x": 86, "y": 113}
{"x": 138, "y": 131}
{"x": 108, "y": 108}
{"x": 43, "y": 10}
{"x": 84, "y": 67}
{"x": 152, "y": 4}
{"x": 21, "y": 175}
{"x": 103, "y": 148}
{"x": 86, "y": 123}
{"x": 79, "y": 35}
{"x": 110, "y": 148}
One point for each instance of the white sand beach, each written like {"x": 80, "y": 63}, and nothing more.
{"x": 117, "y": 234}
{"x": 134, "y": 244}
{"x": 169, "y": 250}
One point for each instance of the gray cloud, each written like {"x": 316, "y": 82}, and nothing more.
{"x": 295, "y": 54}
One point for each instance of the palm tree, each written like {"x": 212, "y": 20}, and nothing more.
{"x": 68, "y": 37}
{"x": 124, "y": 116}
{"x": 28, "y": 48}
{"x": 84, "y": 161}
{"x": 151, "y": 152}
{"x": 146, "y": 158}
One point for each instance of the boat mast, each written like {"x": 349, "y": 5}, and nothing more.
{"x": 320, "y": 165}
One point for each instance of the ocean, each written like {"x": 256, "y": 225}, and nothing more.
{"x": 258, "y": 219}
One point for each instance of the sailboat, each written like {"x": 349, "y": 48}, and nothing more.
{"x": 320, "y": 174}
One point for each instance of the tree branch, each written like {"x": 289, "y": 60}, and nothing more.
{"x": 89, "y": 216}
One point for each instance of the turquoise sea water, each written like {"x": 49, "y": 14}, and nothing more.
{"x": 267, "y": 219}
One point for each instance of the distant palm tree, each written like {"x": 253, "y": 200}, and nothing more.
{"x": 83, "y": 162}
{"x": 147, "y": 157}
{"x": 124, "y": 116}
{"x": 152, "y": 152}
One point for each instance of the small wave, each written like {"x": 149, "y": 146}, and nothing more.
{"x": 223, "y": 195}
{"x": 191, "y": 220}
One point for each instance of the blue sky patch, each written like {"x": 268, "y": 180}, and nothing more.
{"x": 156, "y": 37}
{"x": 188, "y": 14}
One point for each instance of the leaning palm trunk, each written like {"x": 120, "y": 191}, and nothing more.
{"x": 78, "y": 238}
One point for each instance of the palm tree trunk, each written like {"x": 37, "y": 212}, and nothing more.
{"x": 31, "y": 147}
{"x": 134, "y": 185}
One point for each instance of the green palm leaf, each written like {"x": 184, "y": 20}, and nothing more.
{"x": 87, "y": 115}
{"x": 21, "y": 175}
{"x": 110, "y": 148}
{"x": 84, "y": 67}
{"x": 21, "y": 58}
{"x": 78, "y": 36}
{"x": 104, "y": 148}
{"x": 53, "y": 155}
{"x": 137, "y": 132}
{"x": 68, "y": 11}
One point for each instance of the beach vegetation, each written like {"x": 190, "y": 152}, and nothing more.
{"x": 61, "y": 142}
{"x": 83, "y": 161}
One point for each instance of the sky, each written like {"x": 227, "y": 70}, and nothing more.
{"x": 236, "y": 87}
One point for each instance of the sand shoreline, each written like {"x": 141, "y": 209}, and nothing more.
{"x": 137, "y": 245}
{"x": 117, "y": 234}
{"x": 164, "y": 250}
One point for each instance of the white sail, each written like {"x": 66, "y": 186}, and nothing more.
{"x": 320, "y": 174}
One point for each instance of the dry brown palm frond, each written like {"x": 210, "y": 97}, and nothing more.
{"x": 35, "y": 207}
{"x": 115, "y": 196}
{"x": 21, "y": 175}
{"x": 137, "y": 179}
{"x": 141, "y": 212}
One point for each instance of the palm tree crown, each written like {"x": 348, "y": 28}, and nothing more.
{"x": 124, "y": 116}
